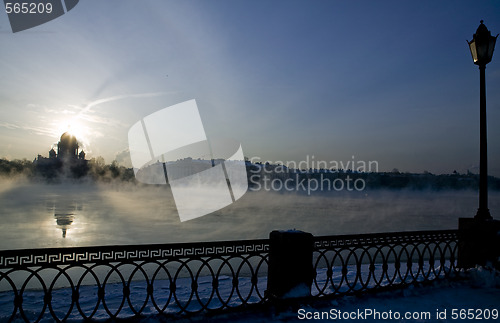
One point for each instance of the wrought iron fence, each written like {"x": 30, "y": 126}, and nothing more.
{"x": 125, "y": 281}
{"x": 351, "y": 264}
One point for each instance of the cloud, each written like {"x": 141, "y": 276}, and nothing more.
{"x": 120, "y": 97}
{"x": 87, "y": 114}
{"x": 100, "y": 120}
{"x": 33, "y": 129}
{"x": 9, "y": 125}
{"x": 123, "y": 158}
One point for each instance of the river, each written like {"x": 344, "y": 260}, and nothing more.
{"x": 39, "y": 215}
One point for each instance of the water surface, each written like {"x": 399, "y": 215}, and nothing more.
{"x": 38, "y": 215}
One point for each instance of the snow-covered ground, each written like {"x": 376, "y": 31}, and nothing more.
{"x": 476, "y": 296}
{"x": 440, "y": 302}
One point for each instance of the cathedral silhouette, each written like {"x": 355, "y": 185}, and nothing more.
{"x": 68, "y": 161}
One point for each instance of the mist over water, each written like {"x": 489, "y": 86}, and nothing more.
{"x": 39, "y": 215}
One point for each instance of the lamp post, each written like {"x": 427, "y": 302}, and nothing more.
{"x": 481, "y": 47}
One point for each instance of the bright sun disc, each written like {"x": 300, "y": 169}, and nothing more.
{"x": 74, "y": 128}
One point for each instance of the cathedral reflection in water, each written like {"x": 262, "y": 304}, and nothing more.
{"x": 64, "y": 213}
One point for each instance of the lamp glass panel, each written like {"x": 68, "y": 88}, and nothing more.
{"x": 473, "y": 50}
{"x": 482, "y": 50}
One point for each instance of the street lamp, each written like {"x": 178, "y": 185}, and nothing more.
{"x": 481, "y": 48}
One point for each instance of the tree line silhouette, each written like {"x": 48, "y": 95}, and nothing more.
{"x": 99, "y": 171}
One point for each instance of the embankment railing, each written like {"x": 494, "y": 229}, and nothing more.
{"x": 351, "y": 264}
{"x": 140, "y": 280}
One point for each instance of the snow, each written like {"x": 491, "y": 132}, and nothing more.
{"x": 300, "y": 290}
{"x": 484, "y": 277}
{"x": 477, "y": 289}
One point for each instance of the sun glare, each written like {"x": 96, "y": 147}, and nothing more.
{"x": 75, "y": 128}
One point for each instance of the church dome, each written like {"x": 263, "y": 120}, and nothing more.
{"x": 68, "y": 145}
{"x": 67, "y": 137}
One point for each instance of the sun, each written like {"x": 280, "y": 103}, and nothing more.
{"x": 75, "y": 128}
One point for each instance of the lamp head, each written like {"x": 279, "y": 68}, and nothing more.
{"x": 482, "y": 45}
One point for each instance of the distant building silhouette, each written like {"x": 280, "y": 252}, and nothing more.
{"x": 66, "y": 162}
{"x": 67, "y": 146}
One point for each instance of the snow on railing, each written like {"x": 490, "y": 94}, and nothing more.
{"x": 351, "y": 264}
{"x": 172, "y": 279}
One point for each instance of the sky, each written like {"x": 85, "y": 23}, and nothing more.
{"x": 385, "y": 81}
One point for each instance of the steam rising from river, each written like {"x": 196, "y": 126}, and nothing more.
{"x": 36, "y": 215}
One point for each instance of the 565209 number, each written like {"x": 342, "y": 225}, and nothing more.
{"x": 474, "y": 314}
{"x": 28, "y": 7}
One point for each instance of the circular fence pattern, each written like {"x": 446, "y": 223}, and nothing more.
{"x": 348, "y": 265}
{"x": 97, "y": 285}
{"x": 128, "y": 281}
